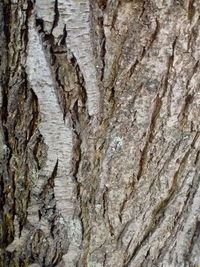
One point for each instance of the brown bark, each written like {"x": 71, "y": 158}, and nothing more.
{"x": 99, "y": 143}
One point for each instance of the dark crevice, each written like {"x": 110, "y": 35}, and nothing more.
{"x": 61, "y": 94}
{"x": 4, "y": 108}
{"x": 157, "y": 106}
{"x": 133, "y": 67}
{"x": 7, "y": 16}
{"x": 102, "y": 45}
{"x": 40, "y": 25}
{"x": 35, "y": 150}
{"x": 81, "y": 83}
{"x": 35, "y": 112}
{"x": 63, "y": 40}
{"x": 104, "y": 260}
{"x": 154, "y": 35}
{"x": 171, "y": 61}
{"x": 184, "y": 111}
{"x": 56, "y": 16}
{"x": 51, "y": 180}
{"x": 102, "y": 4}
{"x": 194, "y": 71}
{"x": 197, "y": 158}
{"x": 165, "y": 80}
{"x": 195, "y": 237}
{"x": 143, "y": 9}
{"x": 53, "y": 57}
{"x": 48, "y": 38}
{"x": 76, "y": 158}
{"x": 105, "y": 201}
{"x": 28, "y": 14}
{"x": 60, "y": 52}
{"x": 23, "y": 219}
{"x": 123, "y": 204}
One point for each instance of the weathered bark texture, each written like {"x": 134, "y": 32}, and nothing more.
{"x": 100, "y": 133}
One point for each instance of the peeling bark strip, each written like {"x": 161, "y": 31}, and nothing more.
{"x": 74, "y": 18}
{"x": 57, "y": 135}
{"x": 123, "y": 189}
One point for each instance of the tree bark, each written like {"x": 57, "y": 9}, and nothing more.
{"x": 100, "y": 133}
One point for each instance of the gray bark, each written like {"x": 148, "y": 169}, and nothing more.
{"x": 100, "y": 134}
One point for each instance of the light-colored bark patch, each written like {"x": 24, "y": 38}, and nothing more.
{"x": 57, "y": 136}
{"x": 74, "y": 18}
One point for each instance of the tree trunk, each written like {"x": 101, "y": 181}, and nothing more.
{"x": 100, "y": 133}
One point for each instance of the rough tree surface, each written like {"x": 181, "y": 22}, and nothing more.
{"x": 100, "y": 133}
